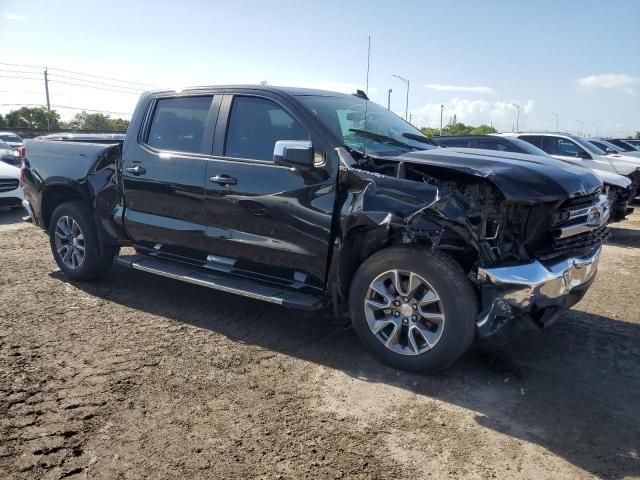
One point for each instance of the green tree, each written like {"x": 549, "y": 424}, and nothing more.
{"x": 459, "y": 128}
{"x": 97, "y": 122}
{"x": 482, "y": 130}
{"x": 32, "y": 117}
{"x": 638, "y": 135}
{"x": 2, "y": 124}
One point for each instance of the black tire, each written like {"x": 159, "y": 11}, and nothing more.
{"x": 457, "y": 298}
{"x": 97, "y": 258}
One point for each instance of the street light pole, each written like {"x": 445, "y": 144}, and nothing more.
{"x": 406, "y": 108}
{"x": 581, "y": 124}
{"x": 517, "y": 116}
{"x": 556, "y": 115}
{"x": 46, "y": 91}
{"x": 389, "y": 100}
{"x": 441, "y": 110}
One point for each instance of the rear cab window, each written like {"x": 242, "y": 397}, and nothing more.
{"x": 178, "y": 124}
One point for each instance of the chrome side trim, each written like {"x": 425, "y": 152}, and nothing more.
{"x": 194, "y": 279}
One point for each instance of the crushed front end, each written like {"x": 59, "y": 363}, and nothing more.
{"x": 518, "y": 297}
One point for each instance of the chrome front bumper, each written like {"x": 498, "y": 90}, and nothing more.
{"x": 533, "y": 287}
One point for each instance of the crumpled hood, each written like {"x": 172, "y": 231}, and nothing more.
{"x": 519, "y": 177}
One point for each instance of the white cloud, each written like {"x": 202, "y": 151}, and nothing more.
{"x": 15, "y": 17}
{"x": 610, "y": 81}
{"x": 460, "y": 88}
{"x": 501, "y": 113}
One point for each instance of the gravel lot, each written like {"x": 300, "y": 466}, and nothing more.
{"x": 137, "y": 376}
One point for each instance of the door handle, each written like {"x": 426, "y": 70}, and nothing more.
{"x": 224, "y": 180}
{"x": 137, "y": 170}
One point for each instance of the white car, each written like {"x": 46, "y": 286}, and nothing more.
{"x": 11, "y": 194}
{"x": 613, "y": 149}
{"x": 573, "y": 148}
{"x": 9, "y": 155}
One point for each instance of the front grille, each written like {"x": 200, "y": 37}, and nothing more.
{"x": 580, "y": 225}
{"x": 580, "y": 202}
{"x": 8, "y": 184}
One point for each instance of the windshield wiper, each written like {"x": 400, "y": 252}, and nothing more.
{"x": 382, "y": 138}
{"x": 420, "y": 138}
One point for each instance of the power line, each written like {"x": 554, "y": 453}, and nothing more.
{"x": 21, "y": 65}
{"x": 96, "y": 83}
{"x": 16, "y": 76}
{"x": 94, "y": 87}
{"x": 91, "y": 110}
{"x": 77, "y": 73}
{"x": 103, "y": 78}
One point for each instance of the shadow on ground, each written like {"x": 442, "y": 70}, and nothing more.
{"x": 624, "y": 237}
{"x": 574, "y": 390}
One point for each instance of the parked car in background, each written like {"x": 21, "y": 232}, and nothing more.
{"x": 634, "y": 142}
{"x": 312, "y": 200}
{"x": 576, "y": 149}
{"x": 624, "y": 146}
{"x": 11, "y": 193}
{"x": 490, "y": 142}
{"x": 8, "y": 154}
{"x": 614, "y": 149}
{"x": 12, "y": 139}
{"x": 619, "y": 188}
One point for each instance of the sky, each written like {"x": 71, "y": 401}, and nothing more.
{"x": 577, "y": 59}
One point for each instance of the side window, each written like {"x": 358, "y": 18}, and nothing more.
{"x": 457, "y": 143}
{"x": 487, "y": 145}
{"x": 535, "y": 140}
{"x": 178, "y": 124}
{"x": 255, "y": 125}
{"x": 562, "y": 146}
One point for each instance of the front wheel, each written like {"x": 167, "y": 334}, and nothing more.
{"x": 75, "y": 243}
{"x": 414, "y": 309}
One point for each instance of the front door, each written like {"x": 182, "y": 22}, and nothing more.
{"x": 164, "y": 175}
{"x": 263, "y": 218}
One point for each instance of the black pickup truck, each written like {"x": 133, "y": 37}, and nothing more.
{"x": 319, "y": 200}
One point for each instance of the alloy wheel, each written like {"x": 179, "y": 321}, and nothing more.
{"x": 404, "y": 312}
{"x": 69, "y": 242}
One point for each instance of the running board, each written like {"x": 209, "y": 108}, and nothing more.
{"x": 226, "y": 283}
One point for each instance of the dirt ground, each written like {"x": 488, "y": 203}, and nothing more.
{"x": 142, "y": 377}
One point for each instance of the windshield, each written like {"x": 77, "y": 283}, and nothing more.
{"x": 365, "y": 126}
{"x": 588, "y": 146}
{"x": 10, "y": 137}
{"x": 530, "y": 149}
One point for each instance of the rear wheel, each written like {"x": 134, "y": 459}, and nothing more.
{"x": 414, "y": 309}
{"x": 75, "y": 243}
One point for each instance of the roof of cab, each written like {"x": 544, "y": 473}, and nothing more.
{"x": 296, "y": 91}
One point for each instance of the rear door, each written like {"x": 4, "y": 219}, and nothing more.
{"x": 164, "y": 174}
{"x": 263, "y": 218}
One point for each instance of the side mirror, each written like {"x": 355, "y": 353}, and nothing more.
{"x": 294, "y": 153}
{"x": 611, "y": 150}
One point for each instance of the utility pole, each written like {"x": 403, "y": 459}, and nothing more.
{"x": 46, "y": 91}
{"x": 518, "y": 116}
{"x": 581, "y": 124}
{"x": 441, "y": 110}
{"x": 389, "y": 99}
{"x": 406, "y": 108}
{"x": 411, "y": 119}
{"x": 556, "y": 115}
